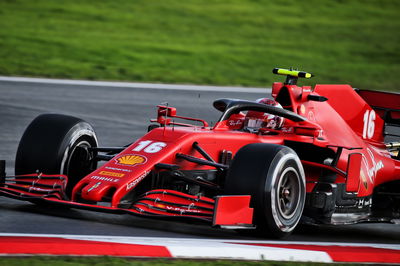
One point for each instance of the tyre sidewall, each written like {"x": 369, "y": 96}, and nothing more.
{"x": 286, "y": 158}
{"x": 78, "y": 133}
{"x": 48, "y": 142}
{"x": 254, "y": 171}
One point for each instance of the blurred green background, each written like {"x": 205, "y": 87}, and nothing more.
{"x": 221, "y": 42}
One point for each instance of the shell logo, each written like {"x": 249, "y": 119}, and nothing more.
{"x": 131, "y": 160}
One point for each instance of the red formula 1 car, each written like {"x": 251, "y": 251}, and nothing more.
{"x": 312, "y": 154}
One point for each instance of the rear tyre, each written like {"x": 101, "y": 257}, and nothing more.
{"x": 274, "y": 177}
{"x": 57, "y": 144}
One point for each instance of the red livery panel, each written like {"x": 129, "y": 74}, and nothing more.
{"x": 325, "y": 155}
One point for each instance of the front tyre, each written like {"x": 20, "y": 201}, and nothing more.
{"x": 274, "y": 177}
{"x": 57, "y": 144}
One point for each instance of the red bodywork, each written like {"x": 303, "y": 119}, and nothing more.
{"x": 346, "y": 126}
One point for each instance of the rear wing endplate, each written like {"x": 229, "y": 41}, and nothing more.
{"x": 385, "y": 104}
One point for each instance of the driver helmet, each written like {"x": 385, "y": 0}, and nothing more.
{"x": 255, "y": 120}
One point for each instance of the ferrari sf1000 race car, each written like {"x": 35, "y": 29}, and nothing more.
{"x": 314, "y": 155}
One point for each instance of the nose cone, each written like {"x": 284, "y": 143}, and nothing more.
{"x": 95, "y": 191}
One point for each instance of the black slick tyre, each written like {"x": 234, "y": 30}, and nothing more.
{"x": 57, "y": 144}
{"x": 274, "y": 177}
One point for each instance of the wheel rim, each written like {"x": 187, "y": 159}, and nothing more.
{"x": 75, "y": 158}
{"x": 77, "y": 166}
{"x": 288, "y": 193}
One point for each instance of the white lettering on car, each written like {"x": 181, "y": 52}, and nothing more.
{"x": 148, "y": 146}
{"x": 103, "y": 178}
{"x": 137, "y": 180}
{"x": 376, "y": 166}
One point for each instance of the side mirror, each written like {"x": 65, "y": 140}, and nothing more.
{"x": 166, "y": 111}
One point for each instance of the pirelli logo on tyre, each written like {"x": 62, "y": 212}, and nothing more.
{"x": 131, "y": 160}
{"x": 113, "y": 174}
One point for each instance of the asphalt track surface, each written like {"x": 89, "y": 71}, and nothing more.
{"x": 120, "y": 115}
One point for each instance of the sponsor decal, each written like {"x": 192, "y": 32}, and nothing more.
{"x": 376, "y": 166}
{"x": 94, "y": 186}
{"x": 118, "y": 169}
{"x": 131, "y": 160}
{"x": 103, "y": 178}
{"x": 364, "y": 179}
{"x": 302, "y": 109}
{"x": 311, "y": 116}
{"x": 111, "y": 174}
{"x": 178, "y": 209}
{"x": 287, "y": 129}
{"x": 182, "y": 210}
{"x": 235, "y": 122}
{"x": 364, "y": 202}
{"x": 137, "y": 180}
{"x": 39, "y": 189}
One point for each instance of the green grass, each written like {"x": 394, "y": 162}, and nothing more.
{"x": 222, "y": 42}
{"x": 109, "y": 261}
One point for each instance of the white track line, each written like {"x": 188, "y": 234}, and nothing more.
{"x": 202, "y": 248}
{"x": 226, "y": 248}
{"x": 153, "y": 240}
{"x": 154, "y": 86}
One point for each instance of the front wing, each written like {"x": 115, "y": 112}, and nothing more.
{"x": 224, "y": 211}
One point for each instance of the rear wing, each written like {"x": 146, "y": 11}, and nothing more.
{"x": 385, "y": 104}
